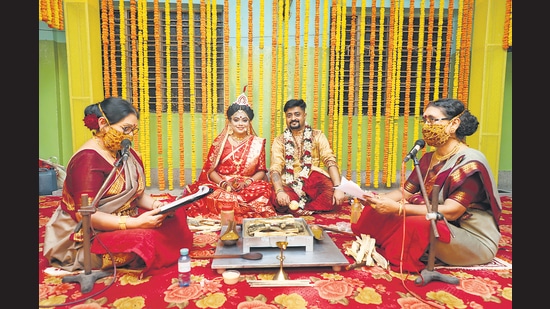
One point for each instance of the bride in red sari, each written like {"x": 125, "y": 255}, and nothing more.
{"x": 235, "y": 168}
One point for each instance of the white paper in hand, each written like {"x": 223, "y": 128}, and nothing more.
{"x": 351, "y": 188}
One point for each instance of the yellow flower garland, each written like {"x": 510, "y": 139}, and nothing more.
{"x": 370, "y": 100}
{"x": 351, "y": 86}
{"x": 158, "y": 94}
{"x": 181, "y": 135}
{"x": 316, "y": 65}
{"x": 296, "y": 91}
{"x": 238, "y": 44}
{"x": 419, "y": 62}
{"x": 261, "y": 66}
{"x": 105, "y": 49}
{"x": 305, "y": 56}
{"x": 358, "y": 157}
{"x": 274, "y": 71}
{"x": 250, "y": 84}
{"x": 192, "y": 96}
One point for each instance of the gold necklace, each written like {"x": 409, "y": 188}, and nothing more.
{"x": 448, "y": 155}
{"x": 238, "y": 139}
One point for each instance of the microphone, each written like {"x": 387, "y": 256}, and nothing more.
{"x": 419, "y": 144}
{"x": 126, "y": 143}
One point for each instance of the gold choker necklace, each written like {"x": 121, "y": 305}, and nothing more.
{"x": 238, "y": 139}
{"x": 448, "y": 155}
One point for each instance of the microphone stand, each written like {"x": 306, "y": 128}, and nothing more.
{"x": 89, "y": 277}
{"x": 428, "y": 274}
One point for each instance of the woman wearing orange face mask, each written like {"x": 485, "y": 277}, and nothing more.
{"x": 125, "y": 213}
{"x": 468, "y": 199}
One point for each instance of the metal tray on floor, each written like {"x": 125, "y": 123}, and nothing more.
{"x": 324, "y": 253}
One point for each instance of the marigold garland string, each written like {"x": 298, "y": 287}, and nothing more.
{"x": 340, "y": 99}
{"x": 324, "y": 87}
{"x": 286, "y": 43}
{"x": 192, "y": 96}
{"x": 304, "y": 61}
{"x": 358, "y": 158}
{"x": 122, "y": 38}
{"x": 466, "y": 58}
{"x": 389, "y": 106}
{"x": 238, "y": 44}
{"x": 370, "y": 93}
{"x": 143, "y": 35}
{"x": 458, "y": 43}
{"x": 351, "y": 87}
{"x": 169, "y": 115}
{"x": 105, "y": 47}
{"x": 316, "y": 65}
{"x": 507, "y": 36}
{"x": 445, "y": 82}
{"x": 429, "y": 53}
{"x": 51, "y": 12}
{"x": 334, "y": 78}
{"x": 134, "y": 64}
{"x": 438, "y": 49}
{"x": 408, "y": 76}
{"x": 181, "y": 135}
{"x": 205, "y": 124}
{"x": 205, "y": 83}
{"x": 331, "y": 75}
{"x": 274, "y": 71}
{"x": 279, "y": 57}
{"x": 214, "y": 70}
{"x": 250, "y": 84}
{"x": 296, "y": 91}
{"x": 261, "y": 66}
{"x": 158, "y": 93}
{"x": 226, "y": 53}
{"x": 419, "y": 63}
{"x": 112, "y": 46}
{"x": 378, "y": 115}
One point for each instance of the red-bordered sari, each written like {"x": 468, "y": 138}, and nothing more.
{"x": 240, "y": 161}
{"x": 466, "y": 178}
{"x": 86, "y": 173}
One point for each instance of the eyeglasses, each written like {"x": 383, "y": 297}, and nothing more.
{"x": 130, "y": 129}
{"x": 432, "y": 120}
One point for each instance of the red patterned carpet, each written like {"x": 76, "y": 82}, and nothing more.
{"x": 481, "y": 287}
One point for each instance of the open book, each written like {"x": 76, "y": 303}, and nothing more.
{"x": 351, "y": 188}
{"x": 202, "y": 192}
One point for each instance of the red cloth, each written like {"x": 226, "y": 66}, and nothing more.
{"x": 319, "y": 189}
{"x": 159, "y": 247}
{"x": 388, "y": 230}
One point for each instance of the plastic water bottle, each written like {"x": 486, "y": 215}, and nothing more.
{"x": 184, "y": 268}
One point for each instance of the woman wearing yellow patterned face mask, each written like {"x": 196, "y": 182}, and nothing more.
{"x": 125, "y": 213}
{"x": 468, "y": 199}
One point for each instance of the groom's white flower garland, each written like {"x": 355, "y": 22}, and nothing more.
{"x": 288, "y": 174}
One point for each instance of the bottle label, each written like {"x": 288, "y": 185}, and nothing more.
{"x": 184, "y": 267}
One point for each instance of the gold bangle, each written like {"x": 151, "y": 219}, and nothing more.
{"x": 153, "y": 205}
{"x": 401, "y": 206}
{"x": 279, "y": 190}
{"x": 122, "y": 222}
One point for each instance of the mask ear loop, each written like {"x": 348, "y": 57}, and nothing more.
{"x": 102, "y": 113}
